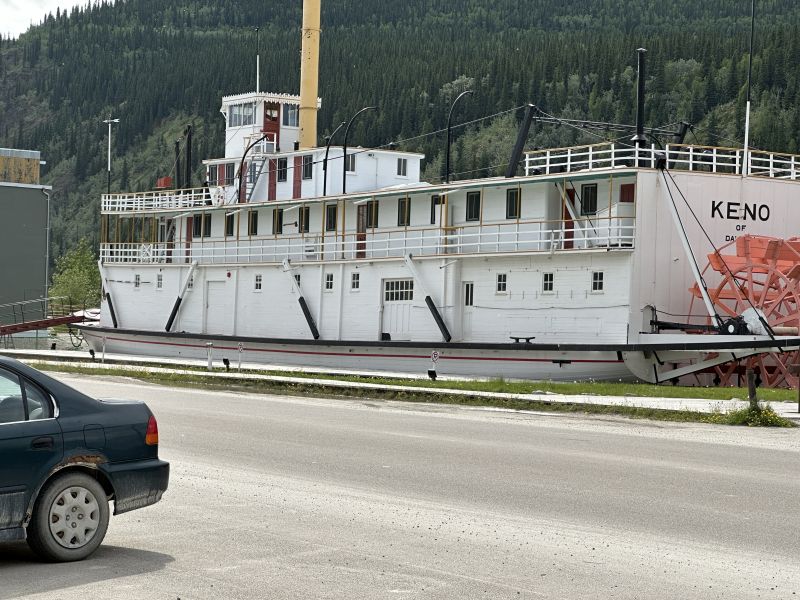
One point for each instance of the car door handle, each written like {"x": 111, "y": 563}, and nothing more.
{"x": 42, "y": 443}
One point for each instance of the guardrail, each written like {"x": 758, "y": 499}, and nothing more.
{"x": 168, "y": 199}
{"x": 540, "y": 236}
{"x": 685, "y": 157}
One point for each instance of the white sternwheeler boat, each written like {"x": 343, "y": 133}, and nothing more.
{"x": 575, "y": 269}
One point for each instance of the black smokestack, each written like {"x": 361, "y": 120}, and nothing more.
{"x": 177, "y": 164}
{"x": 639, "y": 138}
{"x": 188, "y": 178}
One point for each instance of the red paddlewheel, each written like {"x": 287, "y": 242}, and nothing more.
{"x": 764, "y": 274}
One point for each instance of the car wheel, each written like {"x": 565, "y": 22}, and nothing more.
{"x": 70, "y": 518}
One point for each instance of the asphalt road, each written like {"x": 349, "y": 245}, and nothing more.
{"x": 276, "y": 497}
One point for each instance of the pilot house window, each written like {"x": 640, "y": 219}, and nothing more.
{"x": 473, "y": 206}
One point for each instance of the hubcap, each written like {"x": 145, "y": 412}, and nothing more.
{"x": 74, "y": 517}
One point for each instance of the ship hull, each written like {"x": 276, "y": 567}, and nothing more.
{"x": 513, "y": 360}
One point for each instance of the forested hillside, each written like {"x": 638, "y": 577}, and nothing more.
{"x": 159, "y": 66}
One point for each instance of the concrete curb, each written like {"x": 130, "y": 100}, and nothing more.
{"x": 178, "y": 367}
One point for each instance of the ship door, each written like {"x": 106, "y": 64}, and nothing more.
{"x": 398, "y": 298}
{"x": 217, "y": 309}
{"x": 361, "y": 231}
{"x": 469, "y": 309}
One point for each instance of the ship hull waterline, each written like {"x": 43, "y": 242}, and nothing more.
{"x": 531, "y": 361}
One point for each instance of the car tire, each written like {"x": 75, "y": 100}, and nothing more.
{"x": 70, "y": 518}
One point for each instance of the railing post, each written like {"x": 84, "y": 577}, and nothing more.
{"x": 792, "y": 174}
{"x": 591, "y": 150}
{"x": 547, "y": 162}
{"x": 691, "y": 158}
{"x": 771, "y": 165}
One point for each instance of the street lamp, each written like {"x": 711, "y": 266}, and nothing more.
{"x": 109, "y": 121}
{"x": 344, "y": 146}
{"x": 447, "y": 153}
{"x": 325, "y": 162}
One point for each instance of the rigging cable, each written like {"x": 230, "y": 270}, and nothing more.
{"x": 746, "y": 296}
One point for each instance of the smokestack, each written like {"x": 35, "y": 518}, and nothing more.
{"x": 177, "y": 164}
{"x": 639, "y": 138}
{"x": 309, "y": 73}
{"x": 188, "y": 178}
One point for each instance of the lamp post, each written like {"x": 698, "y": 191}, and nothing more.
{"x": 109, "y": 121}
{"x": 447, "y": 153}
{"x": 344, "y": 146}
{"x": 325, "y": 162}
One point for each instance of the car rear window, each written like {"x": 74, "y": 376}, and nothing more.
{"x": 11, "y": 406}
{"x": 22, "y": 400}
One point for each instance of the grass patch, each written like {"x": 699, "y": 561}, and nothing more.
{"x": 201, "y": 380}
{"x": 760, "y": 416}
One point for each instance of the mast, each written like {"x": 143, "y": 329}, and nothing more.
{"x": 746, "y": 157}
{"x": 309, "y": 74}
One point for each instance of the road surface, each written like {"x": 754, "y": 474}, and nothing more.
{"x": 278, "y": 497}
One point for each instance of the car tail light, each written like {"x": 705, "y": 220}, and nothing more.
{"x": 151, "y": 437}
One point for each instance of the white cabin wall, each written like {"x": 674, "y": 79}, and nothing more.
{"x": 662, "y": 272}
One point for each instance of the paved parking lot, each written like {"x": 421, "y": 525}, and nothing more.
{"x": 276, "y": 497}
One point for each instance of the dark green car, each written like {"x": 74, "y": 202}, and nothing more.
{"x": 64, "y": 456}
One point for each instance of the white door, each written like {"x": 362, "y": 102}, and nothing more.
{"x": 468, "y": 299}
{"x": 398, "y": 298}
{"x": 218, "y": 309}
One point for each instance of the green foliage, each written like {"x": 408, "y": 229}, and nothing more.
{"x": 77, "y": 277}
{"x": 160, "y": 65}
{"x": 759, "y": 416}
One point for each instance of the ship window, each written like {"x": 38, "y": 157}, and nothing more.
{"x": 159, "y": 281}
{"x": 436, "y": 200}
{"x": 137, "y": 280}
{"x": 240, "y": 115}
{"x": 230, "y": 224}
{"x": 330, "y": 217}
{"x": 229, "y": 170}
{"x": 473, "y": 206}
{"x": 303, "y": 218}
{"x": 277, "y": 221}
{"x": 308, "y": 166}
{"x": 403, "y": 212}
{"x": 548, "y": 281}
{"x": 398, "y": 290}
{"x": 355, "y": 281}
{"x": 627, "y": 192}
{"x": 512, "y": 204}
{"x": 251, "y": 173}
{"x": 372, "y": 214}
{"x": 502, "y": 283}
{"x": 589, "y": 199}
{"x": 283, "y": 168}
{"x": 252, "y": 222}
{"x": 469, "y": 294}
{"x": 402, "y": 167}
{"x": 328, "y": 281}
{"x": 201, "y": 226}
{"x": 212, "y": 175}
{"x": 597, "y": 281}
{"x": 351, "y": 163}
{"x": 257, "y": 283}
{"x": 291, "y": 115}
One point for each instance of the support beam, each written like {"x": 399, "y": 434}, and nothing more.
{"x": 312, "y": 326}
{"x": 110, "y": 303}
{"x": 437, "y": 317}
{"x": 179, "y": 300}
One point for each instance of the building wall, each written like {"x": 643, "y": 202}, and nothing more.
{"x": 23, "y": 243}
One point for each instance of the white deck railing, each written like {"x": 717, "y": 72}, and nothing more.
{"x": 167, "y": 199}
{"x": 709, "y": 159}
{"x": 540, "y": 236}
